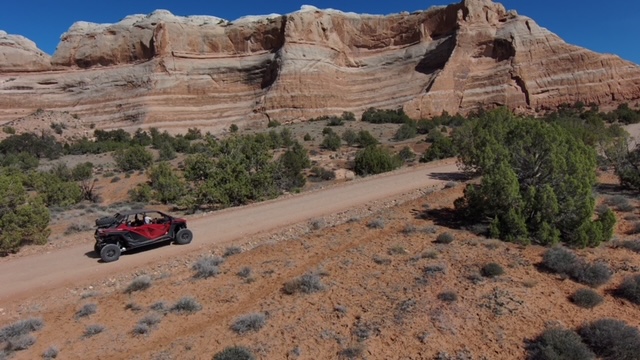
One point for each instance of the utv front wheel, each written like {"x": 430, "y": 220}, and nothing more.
{"x": 110, "y": 252}
{"x": 97, "y": 248}
{"x": 184, "y": 236}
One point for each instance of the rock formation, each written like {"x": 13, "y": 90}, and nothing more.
{"x": 19, "y": 54}
{"x": 167, "y": 71}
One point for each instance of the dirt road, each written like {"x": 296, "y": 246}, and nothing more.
{"x": 69, "y": 266}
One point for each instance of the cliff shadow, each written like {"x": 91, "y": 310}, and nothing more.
{"x": 435, "y": 58}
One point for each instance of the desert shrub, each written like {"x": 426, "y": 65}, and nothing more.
{"x": 618, "y": 201}
{"x": 186, "y": 305}
{"x": 29, "y": 143}
{"x": 74, "y": 228}
{"x": 448, "y": 296}
{"x": 594, "y": 275}
{"x": 331, "y": 142}
{"x": 560, "y": 260}
{"x": 492, "y": 270}
{"x": 408, "y": 130}
{"x": 565, "y": 262}
{"x": 9, "y": 130}
{"x": 317, "y": 224}
{"x": 86, "y": 310}
{"x": 630, "y": 289}
{"x": 166, "y": 152}
{"x": 140, "y": 283}
{"x": 245, "y": 272}
{"x": 207, "y": 267}
{"x": 133, "y": 158}
{"x": 232, "y": 250}
{"x": 442, "y": 147}
{"x": 322, "y": 173}
{"x": 376, "y": 224}
{"x": 458, "y": 355}
{"x": 21, "y": 161}
{"x": 612, "y": 339}
{"x": 167, "y": 187}
{"x": 58, "y": 128}
{"x": 242, "y": 170}
{"x": 633, "y": 245}
{"x": 406, "y": 154}
{"x": 133, "y": 307}
{"x": 307, "y": 137}
{"x": 234, "y": 353}
{"x": 20, "y": 343}
{"x": 586, "y": 298}
{"x": 141, "y": 329}
{"x": 335, "y": 121}
{"x": 445, "y": 238}
{"x": 56, "y": 191}
{"x": 559, "y": 344}
{"x": 397, "y": 250}
{"x": 145, "y": 324}
{"x": 160, "y": 306}
{"x": 273, "y": 123}
{"x": 379, "y": 116}
{"x": 429, "y": 255}
{"x": 365, "y": 139}
{"x": 141, "y": 193}
{"x": 250, "y": 322}
{"x": 290, "y": 167}
{"x": 434, "y": 270}
{"x": 20, "y": 328}
{"x": 51, "y": 353}
{"x": 375, "y": 160}
{"x": 306, "y": 284}
{"x": 233, "y": 128}
{"x": 195, "y": 133}
{"x": 635, "y": 229}
{"x": 92, "y": 330}
{"x": 409, "y": 229}
{"x": 381, "y": 260}
{"x": 353, "y": 352}
{"x": 350, "y": 137}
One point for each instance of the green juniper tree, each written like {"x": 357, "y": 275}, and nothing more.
{"x": 537, "y": 181}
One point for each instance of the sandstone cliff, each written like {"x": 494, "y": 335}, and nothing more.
{"x": 168, "y": 71}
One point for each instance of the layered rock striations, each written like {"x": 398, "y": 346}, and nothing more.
{"x": 168, "y": 71}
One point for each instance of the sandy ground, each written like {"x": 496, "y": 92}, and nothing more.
{"x": 378, "y": 301}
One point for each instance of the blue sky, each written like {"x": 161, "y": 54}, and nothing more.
{"x": 606, "y": 27}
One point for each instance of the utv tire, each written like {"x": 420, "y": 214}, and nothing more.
{"x": 110, "y": 252}
{"x": 183, "y": 236}
{"x": 97, "y": 248}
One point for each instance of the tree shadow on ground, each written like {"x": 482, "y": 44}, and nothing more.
{"x": 613, "y": 189}
{"x": 451, "y": 176}
{"x": 445, "y": 217}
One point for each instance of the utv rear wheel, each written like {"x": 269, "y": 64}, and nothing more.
{"x": 97, "y": 248}
{"x": 110, "y": 252}
{"x": 184, "y": 236}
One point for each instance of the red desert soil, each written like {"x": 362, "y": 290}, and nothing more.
{"x": 377, "y": 298}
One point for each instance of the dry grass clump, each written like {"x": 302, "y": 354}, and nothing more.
{"x": 306, "y": 284}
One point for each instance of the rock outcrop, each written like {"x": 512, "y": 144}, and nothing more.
{"x": 20, "y": 54}
{"x": 169, "y": 71}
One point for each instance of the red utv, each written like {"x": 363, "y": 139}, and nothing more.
{"x": 137, "y": 228}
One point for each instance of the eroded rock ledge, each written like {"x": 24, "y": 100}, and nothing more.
{"x": 165, "y": 70}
